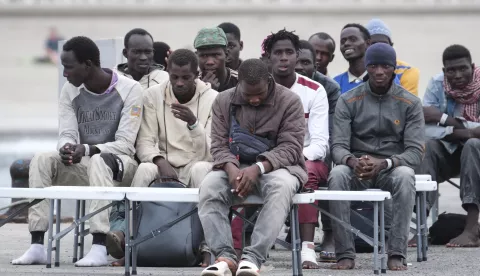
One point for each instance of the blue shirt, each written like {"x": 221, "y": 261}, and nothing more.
{"x": 435, "y": 96}
{"x": 347, "y": 81}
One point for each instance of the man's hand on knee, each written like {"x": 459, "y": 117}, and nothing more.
{"x": 373, "y": 167}
{"x": 247, "y": 178}
{"x": 165, "y": 170}
{"x": 72, "y": 154}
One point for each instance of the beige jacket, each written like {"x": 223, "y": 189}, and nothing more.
{"x": 176, "y": 142}
{"x": 154, "y": 77}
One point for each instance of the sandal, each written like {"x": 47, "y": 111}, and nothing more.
{"x": 328, "y": 257}
{"x": 222, "y": 267}
{"x": 246, "y": 268}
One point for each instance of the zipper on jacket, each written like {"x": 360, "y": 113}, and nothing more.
{"x": 379, "y": 100}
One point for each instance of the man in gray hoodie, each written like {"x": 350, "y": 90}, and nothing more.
{"x": 378, "y": 140}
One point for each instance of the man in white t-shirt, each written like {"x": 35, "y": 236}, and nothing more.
{"x": 282, "y": 50}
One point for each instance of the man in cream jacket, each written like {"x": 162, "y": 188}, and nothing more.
{"x": 175, "y": 130}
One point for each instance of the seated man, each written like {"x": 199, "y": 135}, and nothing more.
{"x": 451, "y": 110}
{"x": 378, "y": 139}
{"x": 175, "y": 131}
{"x": 408, "y": 75}
{"x": 139, "y": 52}
{"x": 274, "y": 116}
{"x": 307, "y": 66}
{"x": 100, "y": 114}
{"x": 283, "y": 49}
{"x": 141, "y": 67}
{"x": 211, "y": 45}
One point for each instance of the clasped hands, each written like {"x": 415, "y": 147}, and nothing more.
{"x": 366, "y": 167}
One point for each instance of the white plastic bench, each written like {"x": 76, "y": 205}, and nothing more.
{"x": 191, "y": 195}
{"x": 378, "y": 198}
{"x": 55, "y": 195}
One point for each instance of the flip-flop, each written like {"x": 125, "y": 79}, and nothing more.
{"x": 328, "y": 257}
{"x": 218, "y": 269}
{"x": 246, "y": 268}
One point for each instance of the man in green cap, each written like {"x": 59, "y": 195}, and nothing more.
{"x": 211, "y": 46}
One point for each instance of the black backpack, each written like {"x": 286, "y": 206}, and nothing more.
{"x": 176, "y": 242}
{"x": 447, "y": 227}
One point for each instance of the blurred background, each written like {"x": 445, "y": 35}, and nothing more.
{"x": 421, "y": 29}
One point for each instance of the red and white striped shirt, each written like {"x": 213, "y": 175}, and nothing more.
{"x": 315, "y": 105}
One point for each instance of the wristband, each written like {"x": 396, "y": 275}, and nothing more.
{"x": 262, "y": 168}
{"x": 193, "y": 126}
{"x": 87, "y": 149}
{"x": 389, "y": 163}
{"x": 443, "y": 119}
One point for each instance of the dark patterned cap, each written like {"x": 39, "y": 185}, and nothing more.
{"x": 210, "y": 37}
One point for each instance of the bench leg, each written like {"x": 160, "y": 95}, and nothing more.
{"x": 127, "y": 237}
{"x": 383, "y": 260}
{"x": 418, "y": 215}
{"x": 134, "y": 236}
{"x": 375, "y": 238}
{"x": 423, "y": 217}
{"x": 296, "y": 258}
{"x": 57, "y": 230}
{"x": 50, "y": 233}
{"x": 75, "y": 234}
{"x": 82, "y": 229}
{"x": 435, "y": 208}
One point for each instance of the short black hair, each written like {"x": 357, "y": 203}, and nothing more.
{"x": 280, "y": 35}
{"x": 84, "y": 49}
{"x": 325, "y": 36}
{"x": 230, "y": 28}
{"x": 456, "y": 51}
{"x": 161, "y": 49}
{"x": 182, "y": 57}
{"x": 363, "y": 30}
{"x": 252, "y": 71}
{"x": 136, "y": 31}
{"x": 306, "y": 45}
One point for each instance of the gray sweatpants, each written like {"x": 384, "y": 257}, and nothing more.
{"x": 46, "y": 169}
{"x": 400, "y": 182}
{"x": 277, "y": 189}
{"x": 442, "y": 165}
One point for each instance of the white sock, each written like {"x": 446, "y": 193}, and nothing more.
{"x": 34, "y": 255}
{"x": 96, "y": 257}
{"x": 308, "y": 252}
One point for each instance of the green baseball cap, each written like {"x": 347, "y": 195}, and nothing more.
{"x": 210, "y": 37}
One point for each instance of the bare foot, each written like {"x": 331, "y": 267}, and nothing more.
{"x": 469, "y": 238}
{"x": 395, "y": 263}
{"x": 206, "y": 259}
{"x": 310, "y": 265}
{"x": 120, "y": 262}
{"x": 412, "y": 242}
{"x": 344, "y": 264}
{"x": 232, "y": 265}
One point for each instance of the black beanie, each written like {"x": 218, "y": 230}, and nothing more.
{"x": 380, "y": 54}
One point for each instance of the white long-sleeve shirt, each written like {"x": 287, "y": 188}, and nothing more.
{"x": 315, "y": 104}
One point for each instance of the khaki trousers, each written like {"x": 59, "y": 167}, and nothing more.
{"x": 46, "y": 169}
{"x": 192, "y": 174}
